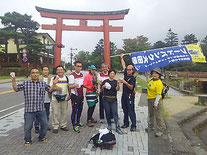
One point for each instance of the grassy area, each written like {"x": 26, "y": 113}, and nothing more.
{"x": 9, "y": 77}
{"x": 140, "y": 84}
{"x": 164, "y": 113}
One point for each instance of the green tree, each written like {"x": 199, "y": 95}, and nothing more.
{"x": 159, "y": 44}
{"x": 84, "y": 57}
{"x": 21, "y": 27}
{"x": 5, "y": 35}
{"x": 140, "y": 43}
{"x": 171, "y": 39}
{"x": 189, "y": 39}
{"x": 97, "y": 56}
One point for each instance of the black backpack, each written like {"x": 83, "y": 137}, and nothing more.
{"x": 107, "y": 141}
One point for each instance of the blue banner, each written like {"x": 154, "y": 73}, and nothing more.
{"x": 148, "y": 60}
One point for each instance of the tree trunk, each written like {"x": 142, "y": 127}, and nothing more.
{"x": 18, "y": 52}
{"x": 6, "y": 51}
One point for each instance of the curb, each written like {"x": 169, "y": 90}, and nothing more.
{"x": 179, "y": 141}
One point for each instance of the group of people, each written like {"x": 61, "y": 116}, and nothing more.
{"x": 42, "y": 90}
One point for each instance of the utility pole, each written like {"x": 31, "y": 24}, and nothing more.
{"x": 71, "y": 58}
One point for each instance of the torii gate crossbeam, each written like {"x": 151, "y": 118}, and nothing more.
{"x": 83, "y": 16}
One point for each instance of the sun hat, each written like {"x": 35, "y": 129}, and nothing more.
{"x": 157, "y": 70}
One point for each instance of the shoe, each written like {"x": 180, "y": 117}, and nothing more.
{"x": 89, "y": 123}
{"x": 133, "y": 129}
{"x": 55, "y": 130}
{"x": 48, "y": 129}
{"x": 124, "y": 126}
{"x": 37, "y": 129}
{"x": 149, "y": 129}
{"x": 101, "y": 121}
{"x": 109, "y": 127}
{"x": 64, "y": 129}
{"x": 44, "y": 140}
{"x": 27, "y": 143}
{"x": 159, "y": 134}
{"x": 80, "y": 124}
{"x": 93, "y": 120}
{"x": 119, "y": 131}
{"x": 76, "y": 129}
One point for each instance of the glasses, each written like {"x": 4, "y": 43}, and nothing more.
{"x": 79, "y": 66}
{"x": 129, "y": 69}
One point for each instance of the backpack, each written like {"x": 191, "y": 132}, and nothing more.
{"x": 107, "y": 141}
{"x": 164, "y": 90}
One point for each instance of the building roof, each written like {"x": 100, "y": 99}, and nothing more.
{"x": 39, "y": 9}
{"x": 47, "y": 34}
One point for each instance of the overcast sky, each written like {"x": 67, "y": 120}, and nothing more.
{"x": 151, "y": 18}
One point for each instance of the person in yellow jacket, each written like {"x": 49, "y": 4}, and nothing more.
{"x": 154, "y": 91}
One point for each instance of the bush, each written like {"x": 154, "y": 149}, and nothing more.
{"x": 5, "y": 71}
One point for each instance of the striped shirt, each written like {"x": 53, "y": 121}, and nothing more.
{"x": 63, "y": 83}
{"x": 34, "y": 94}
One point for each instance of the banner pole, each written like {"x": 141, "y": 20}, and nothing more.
{"x": 151, "y": 49}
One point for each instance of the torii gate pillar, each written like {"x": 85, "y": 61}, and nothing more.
{"x": 83, "y": 16}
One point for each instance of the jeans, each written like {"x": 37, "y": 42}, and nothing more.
{"x": 127, "y": 102}
{"x": 29, "y": 118}
{"x": 47, "y": 108}
{"x": 101, "y": 106}
{"x": 111, "y": 107}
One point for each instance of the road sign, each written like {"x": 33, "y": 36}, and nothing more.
{"x": 24, "y": 54}
{"x": 24, "y": 50}
{"x": 25, "y": 59}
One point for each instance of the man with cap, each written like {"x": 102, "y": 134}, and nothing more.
{"x": 128, "y": 95}
{"x": 154, "y": 90}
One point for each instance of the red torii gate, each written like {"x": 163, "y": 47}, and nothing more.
{"x": 83, "y": 16}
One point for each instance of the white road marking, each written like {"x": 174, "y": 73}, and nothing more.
{"x": 11, "y": 107}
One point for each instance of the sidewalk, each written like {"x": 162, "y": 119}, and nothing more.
{"x": 70, "y": 143}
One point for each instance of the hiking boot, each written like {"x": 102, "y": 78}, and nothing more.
{"x": 44, "y": 140}
{"x": 55, "y": 131}
{"x": 27, "y": 143}
{"x": 76, "y": 129}
{"x": 101, "y": 121}
{"x": 37, "y": 129}
{"x": 119, "y": 131}
{"x": 159, "y": 134}
{"x": 80, "y": 124}
{"x": 93, "y": 120}
{"x": 109, "y": 127}
{"x": 124, "y": 126}
{"x": 133, "y": 129}
{"x": 64, "y": 129}
{"x": 89, "y": 123}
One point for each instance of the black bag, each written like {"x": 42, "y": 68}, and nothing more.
{"x": 107, "y": 141}
{"x": 60, "y": 97}
{"x": 76, "y": 99}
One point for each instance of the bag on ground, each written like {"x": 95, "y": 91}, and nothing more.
{"x": 104, "y": 140}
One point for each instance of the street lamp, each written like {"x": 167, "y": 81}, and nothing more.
{"x": 71, "y": 58}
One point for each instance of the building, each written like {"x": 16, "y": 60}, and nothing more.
{"x": 45, "y": 58}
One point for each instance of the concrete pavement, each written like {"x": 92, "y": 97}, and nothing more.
{"x": 70, "y": 143}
